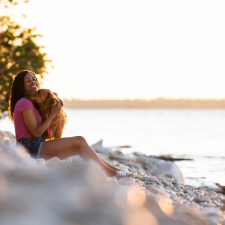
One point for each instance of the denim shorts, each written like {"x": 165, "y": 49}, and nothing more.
{"x": 33, "y": 145}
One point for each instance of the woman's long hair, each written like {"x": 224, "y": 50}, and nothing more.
{"x": 17, "y": 91}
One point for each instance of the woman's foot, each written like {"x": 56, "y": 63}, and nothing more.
{"x": 122, "y": 174}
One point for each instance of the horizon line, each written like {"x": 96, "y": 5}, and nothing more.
{"x": 142, "y": 99}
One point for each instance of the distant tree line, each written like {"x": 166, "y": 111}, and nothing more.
{"x": 159, "y": 103}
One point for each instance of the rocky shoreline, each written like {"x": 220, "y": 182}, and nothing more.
{"x": 72, "y": 191}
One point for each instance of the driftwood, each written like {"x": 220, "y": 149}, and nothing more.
{"x": 222, "y": 187}
{"x": 168, "y": 158}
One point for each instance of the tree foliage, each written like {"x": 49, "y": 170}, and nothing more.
{"x": 18, "y": 51}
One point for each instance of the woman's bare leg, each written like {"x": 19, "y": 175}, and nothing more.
{"x": 108, "y": 164}
{"x": 66, "y": 147}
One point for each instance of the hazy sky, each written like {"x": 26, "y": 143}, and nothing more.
{"x": 132, "y": 49}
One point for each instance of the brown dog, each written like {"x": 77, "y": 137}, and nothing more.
{"x": 46, "y": 100}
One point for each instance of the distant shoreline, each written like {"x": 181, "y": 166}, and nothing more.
{"x": 159, "y": 103}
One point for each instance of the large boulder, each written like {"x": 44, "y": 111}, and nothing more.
{"x": 161, "y": 168}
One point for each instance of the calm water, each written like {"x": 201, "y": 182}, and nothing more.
{"x": 196, "y": 134}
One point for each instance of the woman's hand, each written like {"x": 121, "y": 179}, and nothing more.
{"x": 56, "y": 109}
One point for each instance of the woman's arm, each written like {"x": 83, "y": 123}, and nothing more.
{"x": 31, "y": 121}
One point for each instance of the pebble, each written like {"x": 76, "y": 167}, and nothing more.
{"x": 180, "y": 194}
{"x": 198, "y": 200}
{"x": 136, "y": 175}
{"x": 161, "y": 179}
{"x": 192, "y": 194}
{"x": 159, "y": 192}
{"x": 164, "y": 183}
{"x": 218, "y": 203}
{"x": 175, "y": 181}
{"x": 148, "y": 178}
{"x": 155, "y": 189}
{"x": 187, "y": 191}
{"x": 176, "y": 185}
{"x": 205, "y": 204}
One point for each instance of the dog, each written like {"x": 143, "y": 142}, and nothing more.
{"x": 46, "y": 100}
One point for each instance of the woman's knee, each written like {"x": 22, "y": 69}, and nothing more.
{"x": 79, "y": 141}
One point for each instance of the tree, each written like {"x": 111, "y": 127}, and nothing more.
{"x": 18, "y": 51}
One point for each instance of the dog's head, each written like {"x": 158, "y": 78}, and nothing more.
{"x": 43, "y": 97}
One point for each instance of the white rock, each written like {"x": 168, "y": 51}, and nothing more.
{"x": 161, "y": 168}
{"x": 99, "y": 148}
{"x": 41, "y": 163}
{"x": 55, "y": 161}
{"x": 76, "y": 159}
{"x": 127, "y": 181}
{"x": 40, "y": 160}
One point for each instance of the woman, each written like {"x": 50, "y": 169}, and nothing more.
{"x": 29, "y": 128}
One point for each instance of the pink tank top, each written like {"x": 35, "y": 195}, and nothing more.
{"x": 20, "y": 127}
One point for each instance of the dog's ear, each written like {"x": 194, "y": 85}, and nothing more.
{"x": 51, "y": 101}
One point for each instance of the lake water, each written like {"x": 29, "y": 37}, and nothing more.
{"x": 195, "y": 134}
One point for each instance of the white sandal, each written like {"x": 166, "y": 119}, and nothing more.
{"x": 122, "y": 174}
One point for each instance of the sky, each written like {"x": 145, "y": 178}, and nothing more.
{"x": 123, "y": 49}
